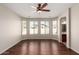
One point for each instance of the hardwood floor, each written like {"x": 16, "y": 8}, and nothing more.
{"x": 39, "y": 47}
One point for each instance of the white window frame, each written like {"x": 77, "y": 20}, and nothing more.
{"x": 33, "y": 29}
{"x": 56, "y": 27}
{"x": 44, "y": 29}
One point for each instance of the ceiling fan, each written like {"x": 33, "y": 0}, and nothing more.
{"x": 41, "y": 7}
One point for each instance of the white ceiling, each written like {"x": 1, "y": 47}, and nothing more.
{"x": 26, "y": 10}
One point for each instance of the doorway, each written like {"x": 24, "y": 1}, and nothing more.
{"x": 63, "y": 30}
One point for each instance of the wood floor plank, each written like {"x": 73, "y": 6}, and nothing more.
{"x": 39, "y": 47}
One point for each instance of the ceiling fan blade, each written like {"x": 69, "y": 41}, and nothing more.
{"x": 39, "y": 5}
{"x": 33, "y": 7}
{"x": 44, "y": 5}
{"x": 45, "y": 10}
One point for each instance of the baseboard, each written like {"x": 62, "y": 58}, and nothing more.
{"x": 74, "y": 50}
{"x": 9, "y": 47}
{"x": 40, "y": 38}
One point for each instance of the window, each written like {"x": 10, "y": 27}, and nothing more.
{"x": 39, "y": 27}
{"x": 44, "y": 27}
{"x": 24, "y": 29}
{"x": 33, "y": 27}
{"x": 54, "y": 26}
{"x": 47, "y": 27}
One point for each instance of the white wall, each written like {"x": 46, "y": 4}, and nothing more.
{"x": 10, "y": 29}
{"x": 40, "y": 36}
{"x": 75, "y": 28}
{"x": 72, "y": 27}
